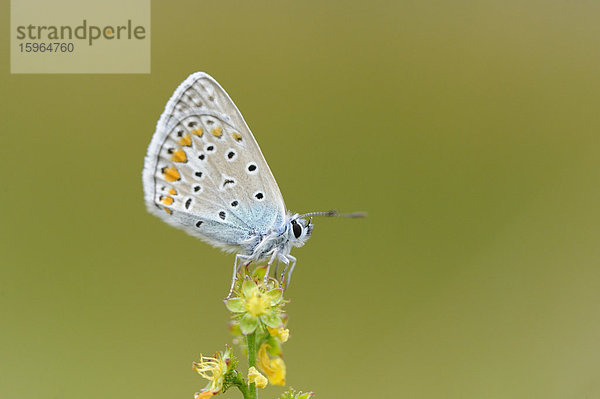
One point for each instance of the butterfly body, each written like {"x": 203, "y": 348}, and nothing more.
{"x": 205, "y": 173}
{"x": 279, "y": 241}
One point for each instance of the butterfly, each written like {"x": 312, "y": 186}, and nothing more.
{"x": 205, "y": 173}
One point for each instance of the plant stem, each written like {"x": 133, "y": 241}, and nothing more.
{"x": 251, "y": 341}
{"x": 245, "y": 392}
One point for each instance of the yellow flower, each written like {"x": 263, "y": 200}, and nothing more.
{"x": 214, "y": 370}
{"x": 254, "y": 376}
{"x": 257, "y": 303}
{"x": 273, "y": 368}
{"x": 282, "y": 333}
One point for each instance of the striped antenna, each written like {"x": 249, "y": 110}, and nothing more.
{"x": 334, "y": 213}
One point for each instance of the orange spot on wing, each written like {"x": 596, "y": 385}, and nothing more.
{"x": 173, "y": 191}
{"x": 171, "y": 174}
{"x": 179, "y": 156}
{"x": 198, "y": 132}
{"x": 217, "y": 132}
{"x": 186, "y": 140}
{"x": 170, "y": 212}
{"x": 236, "y": 136}
{"x": 167, "y": 200}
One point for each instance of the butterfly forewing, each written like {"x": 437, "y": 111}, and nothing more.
{"x": 204, "y": 171}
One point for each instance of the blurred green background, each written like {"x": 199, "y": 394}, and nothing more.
{"x": 468, "y": 131}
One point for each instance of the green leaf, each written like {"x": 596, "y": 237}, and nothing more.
{"x": 259, "y": 272}
{"x": 235, "y": 305}
{"x": 247, "y": 286}
{"x": 248, "y": 324}
{"x": 275, "y": 296}
{"x": 293, "y": 394}
{"x": 272, "y": 320}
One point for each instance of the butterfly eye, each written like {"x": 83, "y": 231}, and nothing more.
{"x": 297, "y": 229}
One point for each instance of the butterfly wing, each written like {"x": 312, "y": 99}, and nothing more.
{"x": 204, "y": 171}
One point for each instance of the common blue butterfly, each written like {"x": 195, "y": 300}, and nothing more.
{"x": 204, "y": 173}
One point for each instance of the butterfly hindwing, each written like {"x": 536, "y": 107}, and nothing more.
{"x": 204, "y": 171}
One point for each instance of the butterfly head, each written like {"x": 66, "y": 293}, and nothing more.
{"x": 299, "y": 230}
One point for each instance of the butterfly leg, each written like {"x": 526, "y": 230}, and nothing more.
{"x": 238, "y": 258}
{"x": 291, "y": 259}
{"x": 276, "y": 268}
{"x": 273, "y": 257}
{"x": 282, "y": 279}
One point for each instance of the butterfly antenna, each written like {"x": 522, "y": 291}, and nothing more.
{"x": 334, "y": 213}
